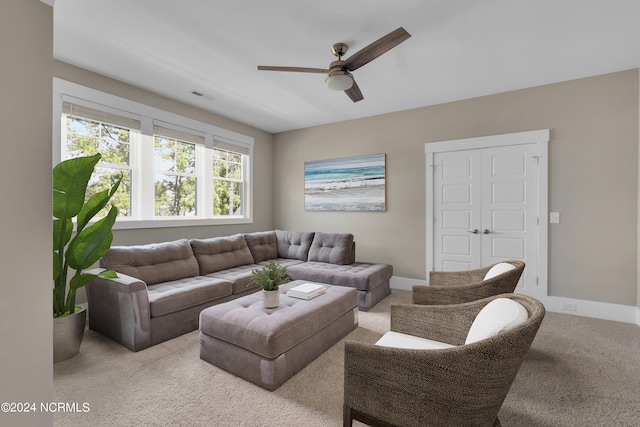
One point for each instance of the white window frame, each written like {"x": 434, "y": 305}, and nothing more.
{"x": 144, "y": 217}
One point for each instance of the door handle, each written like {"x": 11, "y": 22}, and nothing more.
{"x": 487, "y": 231}
{"x": 474, "y": 231}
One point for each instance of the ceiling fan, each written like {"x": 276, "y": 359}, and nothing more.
{"x": 338, "y": 73}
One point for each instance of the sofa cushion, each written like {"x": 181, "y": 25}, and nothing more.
{"x": 359, "y": 275}
{"x": 499, "y": 315}
{"x": 220, "y": 253}
{"x": 294, "y": 244}
{"x": 498, "y": 269}
{"x": 333, "y": 248}
{"x": 153, "y": 263}
{"x": 263, "y": 245}
{"x": 176, "y": 295}
{"x": 240, "y": 276}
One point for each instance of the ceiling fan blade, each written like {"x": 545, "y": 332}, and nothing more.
{"x": 293, "y": 69}
{"x": 354, "y": 92}
{"x": 375, "y": 49}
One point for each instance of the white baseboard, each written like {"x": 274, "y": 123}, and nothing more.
{"x": 405, "y": 284}
{"x": 598, "y": 310}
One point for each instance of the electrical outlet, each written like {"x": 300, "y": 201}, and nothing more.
{"x": 569, "y": 306}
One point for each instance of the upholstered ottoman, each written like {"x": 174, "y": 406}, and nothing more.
{"x": 269, "y": 346}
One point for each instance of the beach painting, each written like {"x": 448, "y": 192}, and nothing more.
{"x": 345, "y": 184}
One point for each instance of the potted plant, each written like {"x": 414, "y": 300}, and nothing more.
{"x": 76, "y": 250}
{"x": 270, "y": 277}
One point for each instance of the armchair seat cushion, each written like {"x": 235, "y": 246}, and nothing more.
{"x": 400, "y": 340}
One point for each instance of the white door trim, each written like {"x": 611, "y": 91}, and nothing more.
{"x": 539, "y": 137}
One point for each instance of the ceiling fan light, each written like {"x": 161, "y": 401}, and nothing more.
{"x": 339, "y": 81}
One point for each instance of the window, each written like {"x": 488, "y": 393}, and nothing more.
{"x": 174, "y": 164}
{"x": 227, "y": 183}
{"x": 86, "y": 132}
{"x": 176, "y": 171}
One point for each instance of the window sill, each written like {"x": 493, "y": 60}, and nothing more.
{"x": 128, "y": 224}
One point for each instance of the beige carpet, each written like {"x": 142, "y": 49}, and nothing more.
{"x": 579, "y": 372}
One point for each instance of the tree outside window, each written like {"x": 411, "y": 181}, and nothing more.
{"x": 175, "y": 177}
{"x": 85, "y": 137}
{"x": 227, "y": 183}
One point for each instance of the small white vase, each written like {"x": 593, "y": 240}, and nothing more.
{"x": 271, "y": 299}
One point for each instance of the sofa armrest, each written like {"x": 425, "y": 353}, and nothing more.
{"x": 119, "y": 308}
{"x": 123, "y": 282}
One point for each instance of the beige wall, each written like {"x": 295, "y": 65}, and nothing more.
{"x": 593, "y": 176}
{"x": 26, "y": 354}
{"x": 262, "y": 162}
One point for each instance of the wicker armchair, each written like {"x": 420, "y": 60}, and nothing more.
{"x": 464, "y": 385}
{"x": 455, "y": 287}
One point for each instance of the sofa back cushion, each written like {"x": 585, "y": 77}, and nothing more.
{"x": 263, "y": 245}
{"x": 294, "y": 244}
{"x": 331, "y": 247}
{"x": 499, "y": 315}
{"x": 220, "y": 253}
{"x": 153, "y": 263}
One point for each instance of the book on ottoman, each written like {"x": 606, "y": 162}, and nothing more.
{"x": 306, "y": 291}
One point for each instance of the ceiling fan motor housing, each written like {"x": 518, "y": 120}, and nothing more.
{"x": 338, "y": 78}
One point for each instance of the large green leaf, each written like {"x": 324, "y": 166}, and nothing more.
{"x": 95, "y": 204}
{"x": 90, "y": 244}
{"x": 82, "y": 279}
{"x": 70, "y": 179}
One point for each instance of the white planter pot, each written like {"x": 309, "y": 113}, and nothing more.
{"x": 67, "y": 335}
{"x": 271, "y": 299}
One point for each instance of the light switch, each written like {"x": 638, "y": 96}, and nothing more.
{"x": 554, "y": 217}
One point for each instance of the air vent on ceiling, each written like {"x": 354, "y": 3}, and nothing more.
{"x": 203, "y": 95}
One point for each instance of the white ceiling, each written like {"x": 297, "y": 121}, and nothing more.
{"x": 459, "y": 49}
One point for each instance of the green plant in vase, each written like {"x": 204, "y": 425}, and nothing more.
{"x": 77, "y": 249}
{"x": 270, "y": 277}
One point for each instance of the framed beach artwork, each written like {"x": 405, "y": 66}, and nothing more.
{"x": 345, "y": 184}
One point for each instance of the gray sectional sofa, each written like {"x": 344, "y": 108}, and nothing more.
{"x": 162, "y": 288}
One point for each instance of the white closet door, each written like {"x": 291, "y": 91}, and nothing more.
{"x": 509, "y": 208}
{"x": 457, "y": 210}
{"x": 485, "y": 204}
